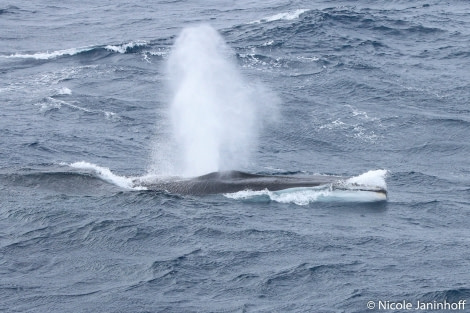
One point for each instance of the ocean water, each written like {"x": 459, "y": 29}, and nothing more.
{"x": 98, "y": 96}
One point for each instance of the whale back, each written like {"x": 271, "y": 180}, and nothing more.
{"x": 233, "y": 181}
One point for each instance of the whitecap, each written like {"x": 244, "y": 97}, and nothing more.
{"x": 292, "y": 15}
{"x": 308, "y": 59}
{"x": 48, "y": 104}
{"x": 49, "y": 55}
{"x": 268, "y": 43}
{"x": 105, "y": 174}
{"x": 123, "y": 48}
{"x": 111, "y": 116}
{"x": 64, "y": 91}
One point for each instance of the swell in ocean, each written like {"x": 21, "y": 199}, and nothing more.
{"x": 103, "y": 50}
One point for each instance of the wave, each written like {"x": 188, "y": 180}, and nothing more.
{"x": 288, "y": 16}
{"x": 9, "y": 10}
{"x": 130, "y": 47}
{"x": 359, "y": 127}
{"x": 49, "y": 55}
{"x": 294, "y": 67}
{"x": 304, "y": 272}
{"x": 127, "y": 47}
{"x": 105, "y": 174}
{"x": 78, "y": 178}
{"x": 449, "y": 295}
{"x": 363, "y": 188}
{"x": 48, "y": 104}
{"x": 58, "y": 181}
{"x": 360, "y": 30}
{"x": 63, "y": 91}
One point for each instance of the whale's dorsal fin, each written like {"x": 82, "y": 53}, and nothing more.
{"x": 226, "y": 175}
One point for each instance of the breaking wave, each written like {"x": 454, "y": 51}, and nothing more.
{"x": 105, "y": 174}
{"x": 130, "y": 47}
{"x": 49, "y": 55}
{"x": 291, "y": 15}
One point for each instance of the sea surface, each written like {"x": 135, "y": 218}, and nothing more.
{"x": 351, "y": 88}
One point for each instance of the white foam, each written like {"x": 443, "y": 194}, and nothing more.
{"x": 300, "y": 196}
{"x": 105, "y": 174}
{"x": 124, "y": 47}
{"x": 306, "y": 195}
{"x": 50, "y": 55}
{"x": 292, "y": 15}
{"x": 73, "y": 51}
{"x": 268, "y": 43}
{"x": 77, "y": 107}
{"x": 111, "y": 116}
{"x": 375, "y": 178}
{"x": 358, "y": 124}
{"x": 160, "y": 53}
{"x": 366, "y": 187}
{"x": 308, "y": 59}
{"x": 49, "y": 103}
{"x": 64, "y": 91}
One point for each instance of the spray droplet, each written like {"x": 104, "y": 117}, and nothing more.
{"x": 215, "y": 113}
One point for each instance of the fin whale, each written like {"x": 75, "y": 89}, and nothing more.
{"x": 233, "y": 181}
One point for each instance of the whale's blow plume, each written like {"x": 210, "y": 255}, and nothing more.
{"x": 215, "y": 113}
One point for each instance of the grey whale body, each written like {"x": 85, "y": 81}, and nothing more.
{"x": 233, "y": 181}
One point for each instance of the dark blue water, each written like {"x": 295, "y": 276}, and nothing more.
{"x": 361, "y": 86}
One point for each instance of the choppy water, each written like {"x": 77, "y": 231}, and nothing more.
{"x": 361, "y": 86}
